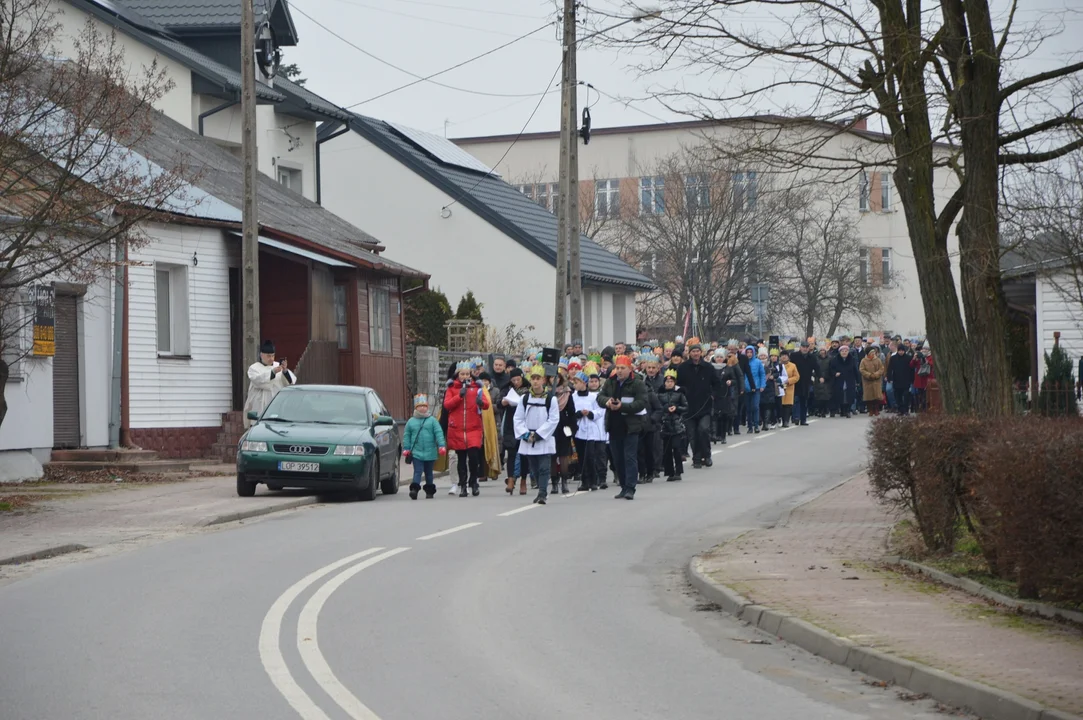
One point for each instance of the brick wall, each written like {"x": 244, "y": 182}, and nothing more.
{"x": 181, "y": 442}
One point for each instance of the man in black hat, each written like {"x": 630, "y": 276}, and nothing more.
{"x": 700, "y": 382}
{"x": 265, "y": 379}
{"x": 805, "y": 360}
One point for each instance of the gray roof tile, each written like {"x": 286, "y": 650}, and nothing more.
{"x": 190, "y": 13}
{"x": 501, "y": 205}
{"x": 309, "y": 99}
{"x": 221, "y": 174}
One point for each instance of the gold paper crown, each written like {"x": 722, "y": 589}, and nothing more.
{"x": 537, "y": 370}
{"x": 671, "y": 374}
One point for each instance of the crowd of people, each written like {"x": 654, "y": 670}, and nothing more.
{"x": 562, "y": 418}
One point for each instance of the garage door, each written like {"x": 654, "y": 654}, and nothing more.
{"x": 66, "y": 373}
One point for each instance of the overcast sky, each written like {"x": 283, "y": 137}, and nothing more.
{"x": 425, "y": 36}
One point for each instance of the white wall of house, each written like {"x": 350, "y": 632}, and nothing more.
{"x": 632, "y": 154}
{"x": 176, "y": 104}
{"x": 187, "y": 384}
{"x": 29, "y": 394}
{"x": 374, "y": 191}
{"x": 1058, "y": 311}
{"x": 288, "y": 143}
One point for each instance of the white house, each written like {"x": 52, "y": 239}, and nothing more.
{"x": 619, "y": 168}
{"x": 437, "y": 206}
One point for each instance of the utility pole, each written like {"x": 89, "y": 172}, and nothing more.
{"x": 249, "y": 213}
{"x": 567, "y": 139}
{"x": 572, "y": 205}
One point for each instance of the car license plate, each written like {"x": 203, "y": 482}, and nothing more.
{"x": 298, "y": 467}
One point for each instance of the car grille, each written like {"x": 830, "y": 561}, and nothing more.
{"x": 277, "y": 475}
{"x": 300, "y": 449}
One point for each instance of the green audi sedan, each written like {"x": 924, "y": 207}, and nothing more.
{"x": 326, "y": 438}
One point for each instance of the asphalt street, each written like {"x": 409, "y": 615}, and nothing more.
{"x": 450, "y": 608}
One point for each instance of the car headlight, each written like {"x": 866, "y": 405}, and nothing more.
{"x": 349, "y": 450}
{"x": 252, "y": 446}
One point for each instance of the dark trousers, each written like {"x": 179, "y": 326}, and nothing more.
{"x": 800, "y": 405}
{"x": 787, "y": 412}
{"x": 540, "y": 465}
{"x": 902, "y": 399}
{"x": 592, "y": 461}
{"x": 625, "y": 447}
{"x": 671, "y": 456}
{"x": 469, "y": 465}
{"x": 841, "y": 398}
{"x": 510, "y": 454}
{"x": 699, "y": 431}
{"x": 767, "y": 410}
{"x": 722, "y": 423}
{"x": 650, "y": 453}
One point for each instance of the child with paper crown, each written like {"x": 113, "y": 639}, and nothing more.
{"x": 422, "y": 443}
{"x": 536, "y": 419}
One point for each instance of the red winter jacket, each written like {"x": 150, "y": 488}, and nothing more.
{"x": 464, "y": 428}
{"x": 921, "y": 382}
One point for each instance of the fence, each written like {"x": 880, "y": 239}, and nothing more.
{"x": 1052, "y": 399}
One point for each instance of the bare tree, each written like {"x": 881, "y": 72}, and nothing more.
{"x": 944, "y": 76}
{"x": 69, "y": 187}
{"x": 821, "y": 278}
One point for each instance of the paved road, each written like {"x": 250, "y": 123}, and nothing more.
{"x": 449, "y": 608}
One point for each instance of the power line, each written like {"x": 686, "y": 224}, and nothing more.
{"x": 423, "y": 18}
{"x": 426, "y": 78}
{"x": 519, "y": 135}
{"x": 629, "y": 105}
{"x": 486, "y": 11}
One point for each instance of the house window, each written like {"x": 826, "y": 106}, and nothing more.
{"x": 652, "y": 195}
{"x": 13, "y": 333}
{"x": 885, "y": 192}
{"x": 342, "y": 315}
{"x": 541, "y": 195}
{"x": 885, "y": 266}
{"x": 863, "y": 192}
{"x": 554, "y": 196}
{"x": 171, "y": 309}
{"x": 527, "y": 189}
{"x": 607, "y": 198}
{"x": 863, "y": 266}
{"x": 697, "y": 192}
{"x": 650, "y": 263}
{"x": 379, "y": 319}
{"x": 744, "y": 190}
{"x": 290, "y": 177}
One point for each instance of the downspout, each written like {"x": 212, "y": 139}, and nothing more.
{"x": 319, "y": 184}
{"x": 125, "y": 375}
{"x": 217, "y": 109}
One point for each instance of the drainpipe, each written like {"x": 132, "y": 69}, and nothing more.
{"x": 217, "y": 109}
{"x": 118, "y": 344}
{"x": 125, "y": 375}
{"x": 319, "y": 185}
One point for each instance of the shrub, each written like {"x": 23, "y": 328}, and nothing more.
{"x": 1027, "y": 486}
{"x": 427, "y": 313}
{"x": 1057, "y": 394}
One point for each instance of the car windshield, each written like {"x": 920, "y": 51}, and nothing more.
{"x": 332, "y": 408}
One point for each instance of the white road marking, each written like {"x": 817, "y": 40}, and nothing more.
{"x": 786, "y": 428}
{"x": 518, "y": 510}
{"x": 442, "y": 533}
{"x": 718, "y": 452}
{"x": 271, "y": 654}
{"x": 743, "y": 442}
{"x": 766, "y": 434}
{"x": 309, "y": 646}
{"x": 812, "y": 420}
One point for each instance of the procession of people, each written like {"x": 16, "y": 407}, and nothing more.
{"x": 562, "y": 420}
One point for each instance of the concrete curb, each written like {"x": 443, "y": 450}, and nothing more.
{"x": 257, "y": 512}
{"x": 41, "y": 554}
{"x": 987, "y": 702}
{"x": 976, "y": 588}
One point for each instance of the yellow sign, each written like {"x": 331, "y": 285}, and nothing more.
{"x": 44, "y": 341}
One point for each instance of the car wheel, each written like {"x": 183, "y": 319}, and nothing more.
{"x": 368, "y": 493}
{"x": 245, "y": 488}
{"x": 390, "y": 486}
{"x": 274, "y": 487}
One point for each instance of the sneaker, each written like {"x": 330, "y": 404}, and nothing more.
{"x": 454, "y": 489}
{"x": 757, "y": 431}
{"x": 673, "y": 478}
{"x": 708, "y": 462}
{"x": 621, "y": 495}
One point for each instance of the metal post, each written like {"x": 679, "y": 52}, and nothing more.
{"x": 118, "y": 344}
{"x": 250, "y": 219}
{"x": 572, "y": 204}
{"x": 759, "y": 316}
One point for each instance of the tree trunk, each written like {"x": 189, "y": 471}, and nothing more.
{"x": 4, "y": 372}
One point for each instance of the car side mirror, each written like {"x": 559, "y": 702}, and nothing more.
{"x": 253, "y": 415}
{"x": 384, "y": 421}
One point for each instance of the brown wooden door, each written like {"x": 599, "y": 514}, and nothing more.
{"x": 343, "y": 325}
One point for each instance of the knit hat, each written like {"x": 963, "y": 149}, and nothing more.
{"x": 763, "y": 352}
{"x": 421, "y": 399}
{"x": 515, "y": 372}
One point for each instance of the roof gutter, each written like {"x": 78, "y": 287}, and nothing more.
{"x": 320, "y": 141}
{"x": 344, "y": 257}
{"x": 217, "y": 109}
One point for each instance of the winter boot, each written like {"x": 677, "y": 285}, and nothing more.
{"x": 414, "y": 488}
{"x": 510, "y": 485}
{"x": 462, "y": 489}
{"x": 522, "y": 486}
{"x": 430, "y": 492}
{"x": 474, "y": 489}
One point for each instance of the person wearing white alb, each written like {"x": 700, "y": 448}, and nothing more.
{"x": 265, "y": 378}
{"x": 536, "y": 420}
{"x": 589, "y": 443}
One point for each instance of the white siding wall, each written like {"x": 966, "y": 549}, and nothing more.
{"x": 176, "y": 103}
{"x": 29, "y": 422}
{"x": 1057, "y": 312}
{"x": 174, "y": 392}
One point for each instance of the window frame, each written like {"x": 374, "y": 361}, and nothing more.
{"x": 342, "y": 328}
{"x": 378, "y": 333}
{"x": 610, "y": 190}
{"x": 652, "y": 195}
{"x": 697, "y": 192}
{"x": 293, "y": 174}
{"x": 864, "y": 188}
{"x": 885, "y": 192}
{"x": 886, "y": 262}
{"x": 18, "y": 331}
{"x": 745, "y": 188}
{"x": 179, "y": 320}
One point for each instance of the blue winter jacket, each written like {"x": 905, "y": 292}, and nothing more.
{"x": 423, "y": 438}
{"x": 759, "y": 375}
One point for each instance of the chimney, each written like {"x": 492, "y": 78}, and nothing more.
{"x": 860, "y": 123}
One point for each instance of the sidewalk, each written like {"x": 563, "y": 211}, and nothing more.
{"x": 72, "y": 517}
{"x": 821, "y": 565}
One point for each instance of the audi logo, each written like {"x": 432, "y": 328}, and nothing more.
{"x": 300, "y": 449}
